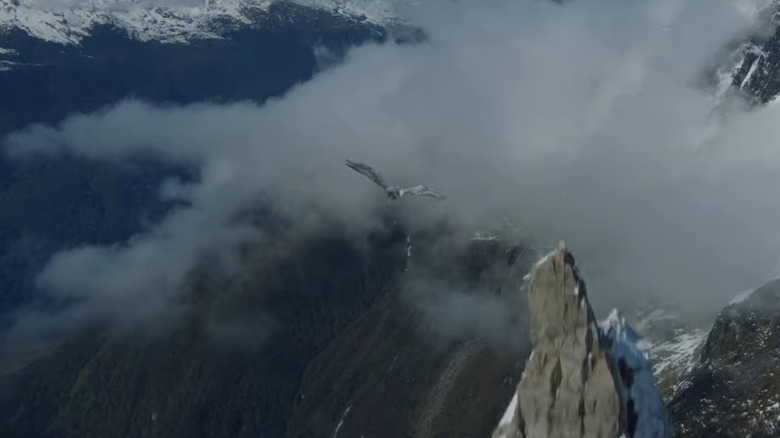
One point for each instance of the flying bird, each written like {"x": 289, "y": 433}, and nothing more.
{"x": 393, "y": 192}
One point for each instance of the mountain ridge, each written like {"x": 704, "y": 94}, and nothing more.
{"x": 170, "y": 23}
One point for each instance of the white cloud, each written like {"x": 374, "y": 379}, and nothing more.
{"x": 581, "y": 121}
{"x": 453, "y": 313}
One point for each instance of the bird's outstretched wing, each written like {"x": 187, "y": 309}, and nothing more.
{"x": 369, "y": 172}
{"x": 421, "y": 191}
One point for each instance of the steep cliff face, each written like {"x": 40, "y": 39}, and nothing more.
{"x": 582, "y": 379}
{"x": 568, "y": 389}
{"x": 734, "y": 391}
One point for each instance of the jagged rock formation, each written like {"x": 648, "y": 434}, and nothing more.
{"x": 568, "y": 389}
{"x": 582, "y": 380}
{"x": 735, "y": 389}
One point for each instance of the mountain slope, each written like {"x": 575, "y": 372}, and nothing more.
{"x": 734, "y": 391}
{"x": 387, "y": 376}
{"x": 673, "y": 343}
{"x": 342, "y": 353}
{"x": 223, "y": 371}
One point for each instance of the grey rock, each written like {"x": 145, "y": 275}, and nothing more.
{"x": 583, "y": 379}
{"x": 568, "y": 388}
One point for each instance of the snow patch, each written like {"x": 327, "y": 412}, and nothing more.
{"x": 70, "y": 22}
{"x": 480, "y": 236}
{"x": 341, "y": 421}
{"x": 614, "y": 319}
{"x": 544, "y": 259}
{"x": 760, "y": 55}
{"x": 527, "y": 278}
{"x": 509, "y": 414}
{"x": 508, "y": 424}
{"x": 10, "y": 65}
{"x": 374, "y": 11}
{"x": 678, "y": 353}
{"x": 749, "y": 75}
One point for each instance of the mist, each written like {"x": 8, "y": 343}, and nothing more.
{"x": 586, "y": 122}
{"x": 452, "y": 311}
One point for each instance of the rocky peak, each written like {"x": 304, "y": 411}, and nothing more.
{"x": 582, "y": 379}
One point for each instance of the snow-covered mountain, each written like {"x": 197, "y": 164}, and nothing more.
{"x": 750, "y": 65}
{"x": 747, "y": 66}
{"x": 167, "y": 21}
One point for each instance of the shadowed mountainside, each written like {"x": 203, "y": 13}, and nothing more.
{"x": 341, "y": 353}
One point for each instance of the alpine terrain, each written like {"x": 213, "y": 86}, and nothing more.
{"x": 151, "y": 286}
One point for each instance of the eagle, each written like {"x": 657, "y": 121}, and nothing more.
{"x": 393, "y": 192}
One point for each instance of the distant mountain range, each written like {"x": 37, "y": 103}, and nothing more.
{"x": 181, "y": 21}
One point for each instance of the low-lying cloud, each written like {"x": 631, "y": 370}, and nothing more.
{"x": 454, "y": 313}
{"x": 584, "y": 122}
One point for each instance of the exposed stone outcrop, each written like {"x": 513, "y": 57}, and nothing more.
{"x": 581, "y": 380}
